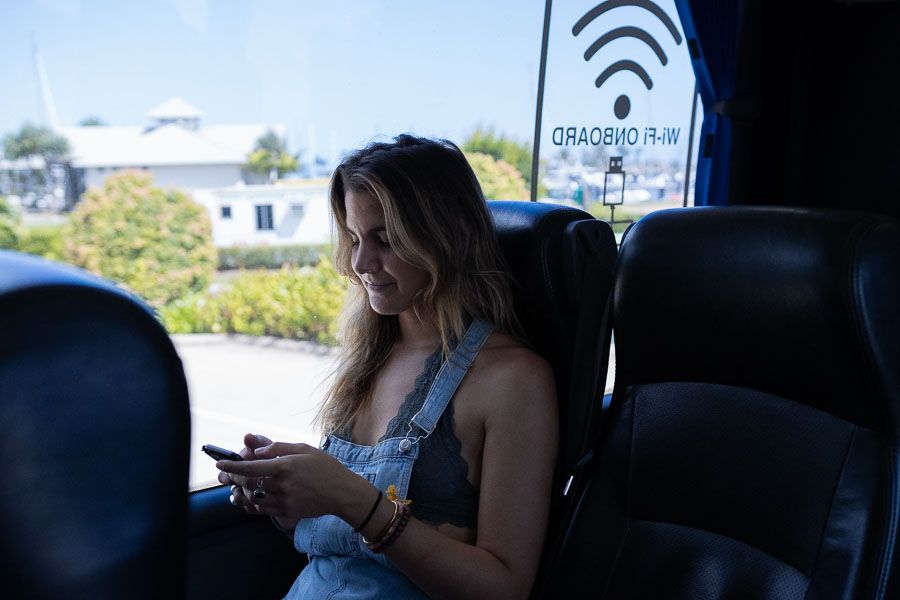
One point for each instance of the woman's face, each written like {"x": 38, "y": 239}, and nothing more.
{"x": 390, "y": 282}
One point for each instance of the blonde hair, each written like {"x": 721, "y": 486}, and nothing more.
{"x": 436, "y": 219}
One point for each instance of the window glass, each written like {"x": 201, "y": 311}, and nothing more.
{"x": 243, "y": 109}
{"x": 619, "y": 106}
{"x": 264, "y": 217}
{"x": 617, "y": 110}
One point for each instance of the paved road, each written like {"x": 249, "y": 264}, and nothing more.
{"x": 241, "y": 384}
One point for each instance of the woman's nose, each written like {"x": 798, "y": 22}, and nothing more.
{"x": 365, "y": 261}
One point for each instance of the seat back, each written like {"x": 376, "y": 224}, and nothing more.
{"x": 562, "y": 260}
{"x": 559, "y": 256}
{"x": 96, "y": 432}
{"x": 751, "y": 450}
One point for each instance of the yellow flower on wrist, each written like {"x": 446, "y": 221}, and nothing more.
{"x": 391, "y": 493}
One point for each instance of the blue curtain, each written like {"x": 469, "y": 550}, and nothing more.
{"x": 711, "y": 28}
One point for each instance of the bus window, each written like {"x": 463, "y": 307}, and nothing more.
{"x": 617, "y": 110}
{"x": 182, "y": 148}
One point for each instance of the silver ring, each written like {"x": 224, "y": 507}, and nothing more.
{"x": 231, "y": 499}
{"x": 260, "y": 491}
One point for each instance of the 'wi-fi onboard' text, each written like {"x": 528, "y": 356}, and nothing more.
{"x": 615, "y": 136}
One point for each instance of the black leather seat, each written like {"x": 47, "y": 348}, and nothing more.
{"x": 752, "y": 443}
{"x": 96, "y": 429}
{"x": 563, "y": 259}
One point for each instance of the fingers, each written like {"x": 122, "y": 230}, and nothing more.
{"x": 276, "y": 449}
{"x": 249, "y": 468}
{"x": 254, "y": 441}
{"x": 243, "y": 498}
{"x": 239, "y": 498}
{"x": 228, "y": 479}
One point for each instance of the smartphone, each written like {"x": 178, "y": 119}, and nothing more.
{"x": 221, "y": 453}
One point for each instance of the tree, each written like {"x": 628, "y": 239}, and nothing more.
{"x": 34, "y": 140}
{"x": 156, "y": 242}
{"x": 270, "y": 156}
{"x": 499, "y": 180}
{"x": 500, "y": 147}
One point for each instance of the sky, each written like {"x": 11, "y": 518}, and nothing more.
{"x": 337, "y": 73}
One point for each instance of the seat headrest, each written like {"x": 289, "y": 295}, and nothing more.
{"x": 95, "y": 404}
{"x": 550, "y": 250}
{"x": 804, "y": 304}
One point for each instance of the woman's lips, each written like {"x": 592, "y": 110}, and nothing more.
{"x": 377, "y": 287}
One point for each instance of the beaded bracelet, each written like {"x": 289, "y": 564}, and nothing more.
{"x": 392, "y": 537}
{"x": 395, "y": 527}
{"x": 384, "y": 532}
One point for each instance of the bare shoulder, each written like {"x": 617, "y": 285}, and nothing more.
{"x": 504, "y": 356}
{"x": 506, "y": 368}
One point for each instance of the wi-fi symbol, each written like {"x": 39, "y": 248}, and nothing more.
{"x": 622, "y": 106}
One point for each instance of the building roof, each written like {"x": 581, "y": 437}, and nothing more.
{"x": 166, "y": 144}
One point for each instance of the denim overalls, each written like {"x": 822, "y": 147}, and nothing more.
{"x": 340, "y": 563}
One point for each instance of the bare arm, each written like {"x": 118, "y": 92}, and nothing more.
{"x": 517, "y": 468}
{"x": 519, "y": 452}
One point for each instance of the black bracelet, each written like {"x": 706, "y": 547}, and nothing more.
{"x": 369, "y": 516}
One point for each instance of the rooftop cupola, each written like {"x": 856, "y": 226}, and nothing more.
{"x": 175, "y": 111}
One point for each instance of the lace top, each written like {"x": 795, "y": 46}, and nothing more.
{"x": 438, "y": 486}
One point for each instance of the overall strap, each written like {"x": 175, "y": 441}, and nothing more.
{"x": 449, "y": 377}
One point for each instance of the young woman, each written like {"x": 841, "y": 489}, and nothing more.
{"x": 434, "y": 478}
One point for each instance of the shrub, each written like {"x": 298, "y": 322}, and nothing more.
{"x": 9, "y": 238}
{"x": 195, "y": 313}
{"x": 9, "y": 221}
{"x": 154, "y": 241}
{"x": 270, "y": 257}
{"x": 7, "y": 210}
{"x": 499, "y": 180}
{"x": 297, "y": 303}
{"x": 46, "y": 241}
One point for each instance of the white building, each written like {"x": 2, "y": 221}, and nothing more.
{"x": 174, "y": 146}
{"x": 205, "y": 161}
{"x": 288, "y": 212}
{"x": 208, "y": 162}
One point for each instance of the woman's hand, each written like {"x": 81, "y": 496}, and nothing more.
{"x": 251, "y": 443}
{"x": 300, "y": 482}
{"x": 241, "y": 487}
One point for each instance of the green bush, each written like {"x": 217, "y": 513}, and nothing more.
{"x": 7, "y": 210}
{"x": 195, "y": 313}
{"x": 46, "y": 241}
{"x": 485, "y": 140}
{"x": 297, "y": 303}
{"x": 270, "y": 257}
{"x": 9, "y": 238}
{"x": 499, "y": 180}
{"x": 156, "y": 242}
{"x": 9, "y": 226}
